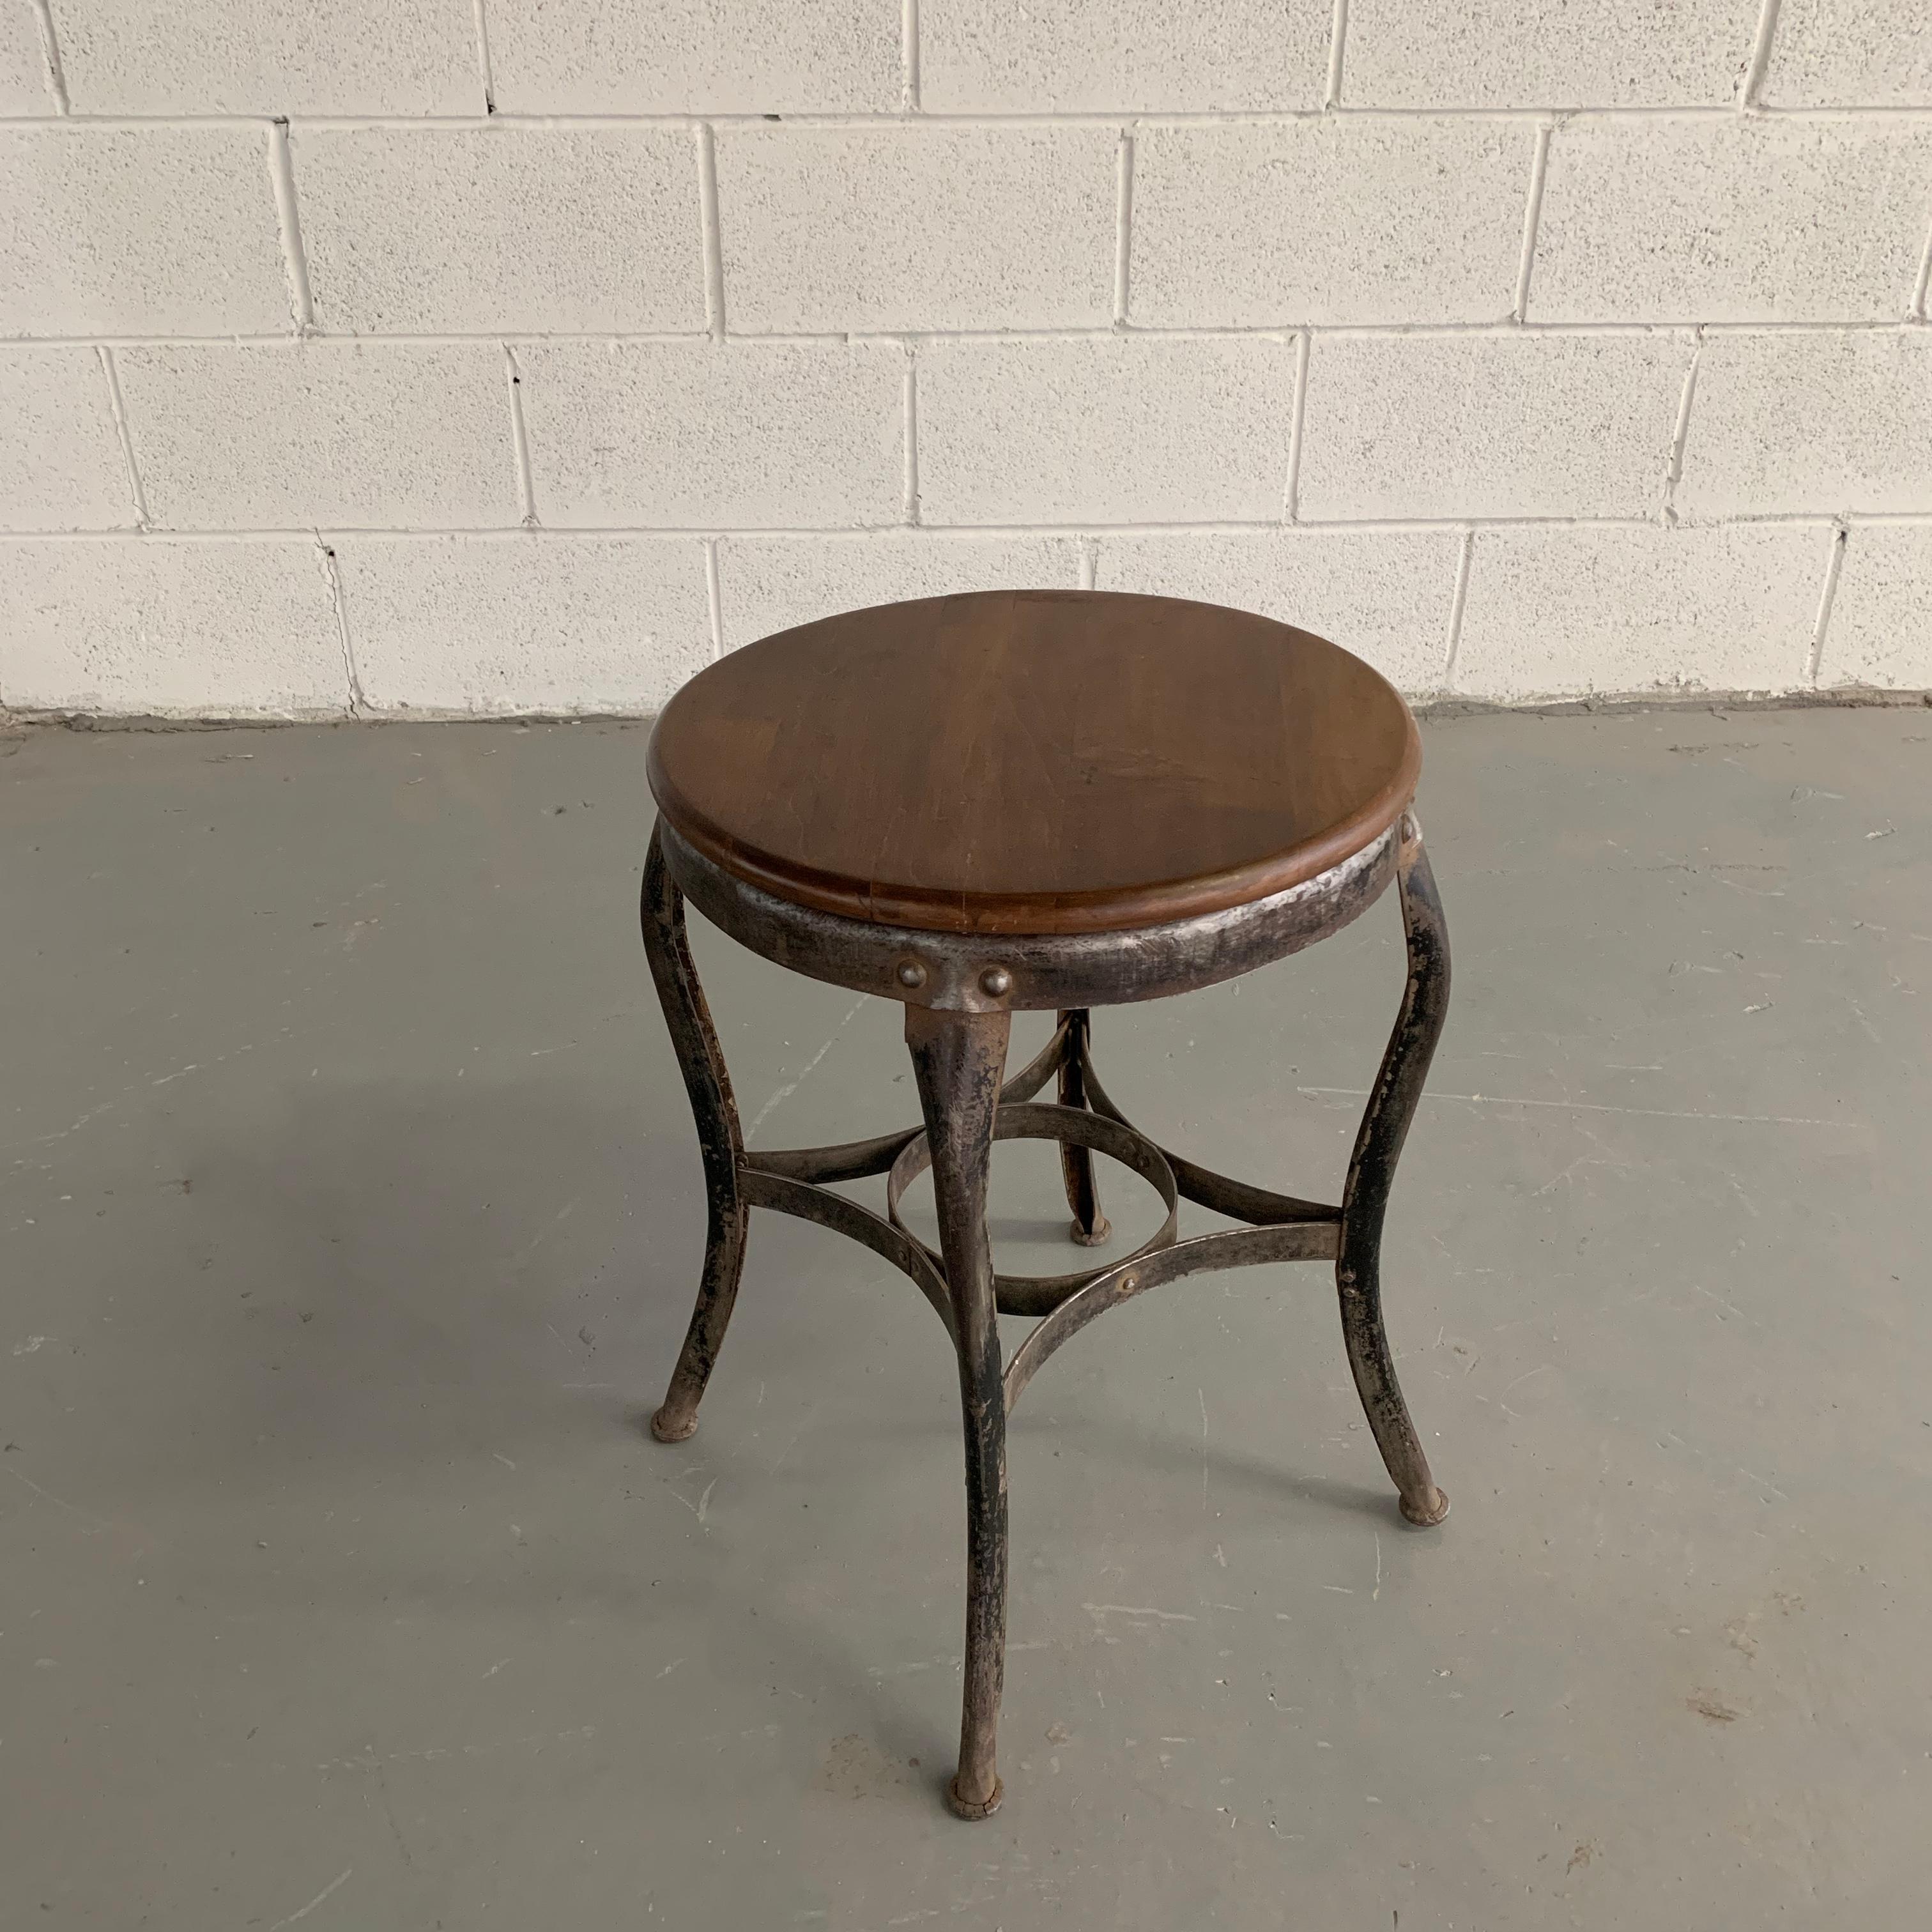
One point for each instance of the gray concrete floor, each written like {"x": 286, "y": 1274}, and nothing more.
{"x": 351, "y": 1215}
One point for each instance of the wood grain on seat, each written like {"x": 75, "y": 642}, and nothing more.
{"x": 1039, "y": 761}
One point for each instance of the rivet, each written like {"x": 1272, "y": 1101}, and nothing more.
{"x": 912, "y": 973}
{"x": 1128, "y": 1282}
{"x": 996, "y": 981}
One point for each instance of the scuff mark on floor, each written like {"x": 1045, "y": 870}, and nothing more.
{"x": 791, "y": 1087}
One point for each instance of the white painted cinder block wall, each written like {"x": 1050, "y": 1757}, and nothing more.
{"x": 514, "y": 356}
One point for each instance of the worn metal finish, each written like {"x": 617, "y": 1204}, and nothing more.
{"x": 1392, "y": 1104}
{"x": 1040, "y": 1294}
{"x": 1091, "y": 1228}
{"x": 958, "y": 997}
{"x": 702, "y": 1062}
{"x": 1086, "y": 969}
{"x": 957, "y": 1059}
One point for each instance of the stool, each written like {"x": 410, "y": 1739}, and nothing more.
{"x": 1014, "y": 800}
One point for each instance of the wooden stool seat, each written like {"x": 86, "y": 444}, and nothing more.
{"x": 1033, "y": 761}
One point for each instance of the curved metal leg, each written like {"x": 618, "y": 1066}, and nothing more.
{"x": 699, "y": 1056}
{"x": 1425, "y": 1001}
{"x": 957, "y": 1059}
{"x": 1089, "y": 1226}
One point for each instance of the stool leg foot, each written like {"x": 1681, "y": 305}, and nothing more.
{"x": 1091, "y": 1228}
{"x": 974, "y": 1808}
{"x": 702, "y": 1063}
{"x": 1391, "y": 1106}
{"x": 957, "y": 1059}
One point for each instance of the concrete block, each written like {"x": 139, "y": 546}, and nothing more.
{"x": 696, "y": 56}
{"x": 1732, "y": 220}
{"x": 1850, "y": 53}
{"x": 1490, "y": 426}
{"x": 271, "y": 56}
{"x": 509, "y": 227}
{"x": 273, "y": 436}
{"x": 171, "y": 628}
{"x": 529, "y": 622}
{"x": 1809, "y": 422}
{"x": 61, "y": 465}
{"x": 1328, "y": 221}
{"x": 1116, "y": 430}
{"x": 1386, "y": 596}
{"x": 770, "y": 583}
{"x": 24, "y": 86}
{"x": 126, "y": 231}
{"x": 917, "y": 226}
{"x": 1545, "y": 53}
{"x": 1880, "y": 629}
{"x": 1639, "y": 608}
{"x": 1126, "y": 56}
{"x": 708, "y": 434}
